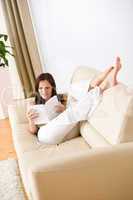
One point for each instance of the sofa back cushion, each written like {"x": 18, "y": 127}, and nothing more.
{"x": 83, "y": 73}
{"x": 112, "y": 121}
{"x": 92, "y": 136}
{"x": 113, "y": 118}
{"x": 79, "y": 82}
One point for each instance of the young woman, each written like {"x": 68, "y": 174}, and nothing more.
{"x": 60, "y": 127}
{"x": 45, "y": 88}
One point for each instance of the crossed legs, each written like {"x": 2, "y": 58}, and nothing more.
{"x": 108, "y": 78}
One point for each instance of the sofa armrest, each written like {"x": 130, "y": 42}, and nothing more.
{"x": 100, "y": 174}
{"x": 16, "y": 115}
{"x": 17, "y": 110}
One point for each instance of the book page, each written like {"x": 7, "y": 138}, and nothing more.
{"x": 45, "y": 111}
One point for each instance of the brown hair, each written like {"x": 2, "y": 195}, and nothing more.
{"x": 42, "y": 77}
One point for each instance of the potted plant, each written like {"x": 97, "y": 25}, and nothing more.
{"x": 4, "y": 50}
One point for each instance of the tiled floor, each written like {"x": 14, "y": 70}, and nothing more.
{"x": 6, "y": 144}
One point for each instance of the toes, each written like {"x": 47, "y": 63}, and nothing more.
{"x": 118, "y": 62}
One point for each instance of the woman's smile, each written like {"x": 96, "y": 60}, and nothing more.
{"x": 45, "y": 89}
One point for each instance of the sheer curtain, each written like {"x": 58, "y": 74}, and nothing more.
{"x": 22, "y": 38}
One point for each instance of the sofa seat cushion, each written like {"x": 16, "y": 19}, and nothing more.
{"x": 24, "y": 141}
{"x": 67, "y": 150}
{"x": 44, "y": 157}
{"x": 113, "y": 118}
{"x": 27, "y": 142}
{"x": 92, "y": 136}
{"x": 74, "y": 147}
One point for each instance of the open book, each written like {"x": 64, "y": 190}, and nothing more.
{"x": 45, "y": 111}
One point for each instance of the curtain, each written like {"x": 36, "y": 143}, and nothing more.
{"x": 22, "y": 38}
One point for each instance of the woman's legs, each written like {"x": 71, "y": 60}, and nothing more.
{"x": 100, "y": 78}
{"x": 58, "y": 129}
{"x": 111, "y": 78}
{"x": 97, "y": 81}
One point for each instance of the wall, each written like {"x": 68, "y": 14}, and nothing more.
{"x": 5, "y": 92}
{"x": 83, "y": 32}
{"x": 10, "y": 87}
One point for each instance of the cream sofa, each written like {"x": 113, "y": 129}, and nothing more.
{"x": 84, "y": 168}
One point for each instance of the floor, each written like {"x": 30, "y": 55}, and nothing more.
{"x": 6, "y": 143}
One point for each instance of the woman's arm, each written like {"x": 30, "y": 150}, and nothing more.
{"x": 32, "y": 127}
{"x": 59, "y": 108}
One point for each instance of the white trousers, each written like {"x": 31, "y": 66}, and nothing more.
{"x": 57, "y": 129}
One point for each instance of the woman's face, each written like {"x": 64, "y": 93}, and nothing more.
{"x": 45, "y": 89}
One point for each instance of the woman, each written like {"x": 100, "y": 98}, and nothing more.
{"x": 45, "y": 88}
{"x": 58, "y": 129}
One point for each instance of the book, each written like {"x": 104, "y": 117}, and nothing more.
{"x": 46, "y": 112}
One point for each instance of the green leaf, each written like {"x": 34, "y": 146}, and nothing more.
{"x": 4, "y": 36}
{"x": 6, "y": 61}
{"x": 4, "y": 52}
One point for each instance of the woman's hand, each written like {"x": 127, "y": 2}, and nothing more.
{"x": 31, "y": 115}
{"x": 59, "y": 108}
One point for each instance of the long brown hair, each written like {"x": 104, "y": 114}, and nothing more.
{"x": 42, "y": 77}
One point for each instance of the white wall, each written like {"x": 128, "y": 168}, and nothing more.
{"x": 83, "y": 32}
{"x": 10, "y": 87}
{"x": 5, "y": 92}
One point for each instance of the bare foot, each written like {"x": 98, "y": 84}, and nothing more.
{"x": 115, "y": 72}
{"x": 118, "y": 63}
{"x": 111, "y": 79}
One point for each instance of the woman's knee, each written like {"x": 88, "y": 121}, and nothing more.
{"x": 50, "y": 135}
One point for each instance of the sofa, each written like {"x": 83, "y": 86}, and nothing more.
{"x": 96, "y": 165}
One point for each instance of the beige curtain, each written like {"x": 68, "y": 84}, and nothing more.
{"x": 23, "y": 40}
